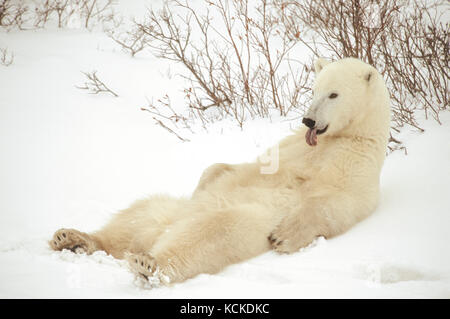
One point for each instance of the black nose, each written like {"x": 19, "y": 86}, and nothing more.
{"x": 308, "y": 122}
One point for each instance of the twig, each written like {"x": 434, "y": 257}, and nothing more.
{"x": 95, "y": 85}
{"x": 133, "y": 41}
{"x": 170, "y": 130}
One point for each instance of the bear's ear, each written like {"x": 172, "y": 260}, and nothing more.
{"x": 368, "y": 76}
{"x": 319, "y": 64}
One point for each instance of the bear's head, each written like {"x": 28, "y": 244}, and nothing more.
{"x": 349, "y": 98}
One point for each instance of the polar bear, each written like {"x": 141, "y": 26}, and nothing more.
{"x": 327, "y": 180}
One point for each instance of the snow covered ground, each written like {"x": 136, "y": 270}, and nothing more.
{"x": 69, "y": 159}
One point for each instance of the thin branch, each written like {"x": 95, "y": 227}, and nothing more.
{"x": 94, "y": 85}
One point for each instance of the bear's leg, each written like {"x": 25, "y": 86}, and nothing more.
{"x": 328, "y": 216}
{"x": 206, "y": 242}
{"x": 144, "y": 240}
{"x": 134, "y": 229}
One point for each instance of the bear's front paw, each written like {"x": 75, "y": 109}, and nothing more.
{"x": 281, "y": 243}
{"x": 290, "y": 236}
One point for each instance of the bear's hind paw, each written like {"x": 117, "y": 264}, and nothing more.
{"x": 146, "y": 270}
{"x": 73, "y": 240}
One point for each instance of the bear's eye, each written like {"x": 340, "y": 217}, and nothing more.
{"x": 333, "y": 95}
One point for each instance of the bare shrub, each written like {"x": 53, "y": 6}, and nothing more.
{"x": 5, "y": 9}
{"x": 63, "y": 9}
{"x": 246, "y": 73}
{"x": 88, "y": 12}
{"x": 13, "y": 14}
{"x": 406, "y": 40}
{"x": 43, "y": 11}
{"x": 6, "y": 58}
{"x": 416, "y": 55}
{"x": 98, "y": 10}
{"x": 131, "y": 41}
{"x": 94, "y": 85}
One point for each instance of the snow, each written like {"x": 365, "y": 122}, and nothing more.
{"x": 70, "y": 159}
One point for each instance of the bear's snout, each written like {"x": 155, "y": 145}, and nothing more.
{"x": 308, "y": 122}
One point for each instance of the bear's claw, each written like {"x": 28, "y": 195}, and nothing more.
{"x": 274, "y": 241}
